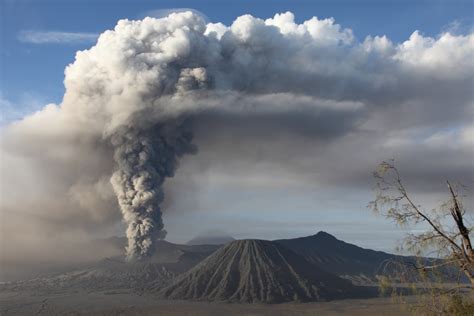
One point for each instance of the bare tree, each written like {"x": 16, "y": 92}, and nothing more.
{"x": 446, "y": 234}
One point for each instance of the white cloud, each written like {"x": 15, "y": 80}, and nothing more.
{"x": 55, "y": 37}
{"x": 447, "y": 55}
{"x": 162, "y": 13}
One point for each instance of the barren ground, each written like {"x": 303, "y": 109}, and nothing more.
{"x": 125, "y": 303}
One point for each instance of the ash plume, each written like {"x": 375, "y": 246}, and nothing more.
{"x": 305, "y": 95}
{"x": 144, "y": 160}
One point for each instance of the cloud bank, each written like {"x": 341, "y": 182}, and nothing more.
{"x": 315, "y": 104}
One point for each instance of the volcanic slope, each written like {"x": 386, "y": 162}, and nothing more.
{"x": 251, "y": 271}
{"x": 340, "y": 258}
{"x": 115, "y": 273}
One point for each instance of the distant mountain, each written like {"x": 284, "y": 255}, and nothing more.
{"x": 313, "y": 268}
{"x": 343, "y": 259}
{"x": 210, "y": 240}
{"x": 115, "y": 273}
{"x": 259, "y": 271}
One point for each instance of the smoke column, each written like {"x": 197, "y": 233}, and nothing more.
{"x": 144, "y": 160}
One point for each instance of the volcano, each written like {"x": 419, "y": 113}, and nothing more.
{"x": 352, "y": 262}
{"x": 252, "y": 271}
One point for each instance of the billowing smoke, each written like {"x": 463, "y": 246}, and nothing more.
{"x": 135, "y": 99}
{"x": 144, "y": 159}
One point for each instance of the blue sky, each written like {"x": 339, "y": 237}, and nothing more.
{"x": 32, "y": 74}
{"x": 40, "y": 38}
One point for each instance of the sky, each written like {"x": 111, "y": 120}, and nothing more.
{"x": 32, "y": 74}
{"x": 257, "y": 182}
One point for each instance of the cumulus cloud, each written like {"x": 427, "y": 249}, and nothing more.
{"x": 56, "y": 37}
{"x": 162, "y": 13}
{"x": 306, "y": 98}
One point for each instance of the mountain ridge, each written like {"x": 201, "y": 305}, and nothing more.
{"x": 360, "y": 265}
{"x": 243, "y": 271}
